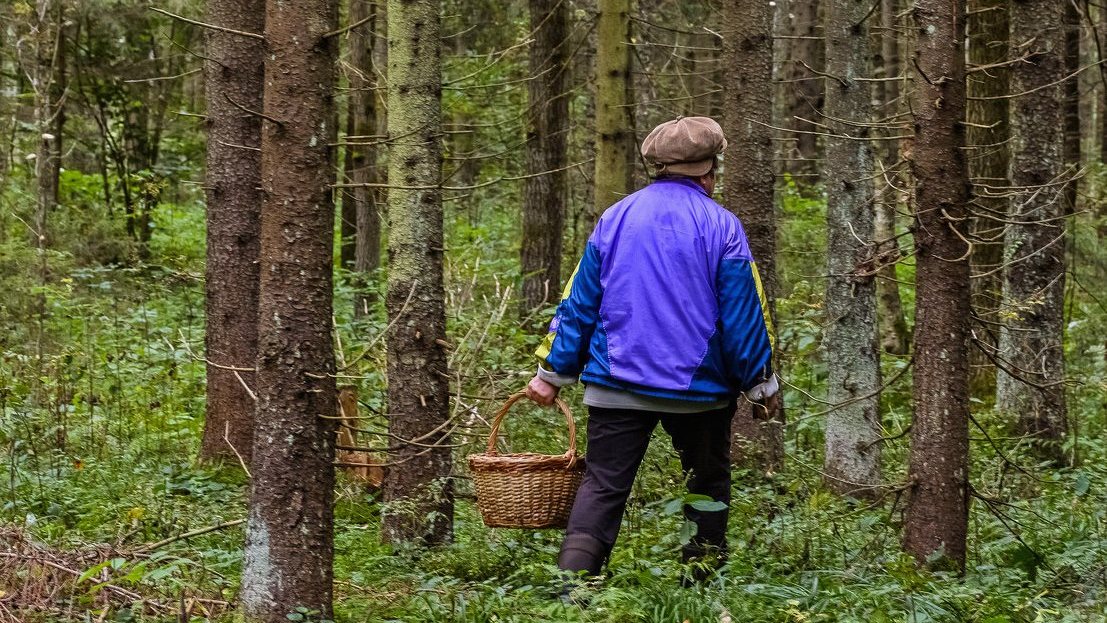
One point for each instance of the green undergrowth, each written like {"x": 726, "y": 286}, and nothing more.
{"x": 101, "y": 407}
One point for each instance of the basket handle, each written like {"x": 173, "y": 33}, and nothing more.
{"x": 571, "y": 454}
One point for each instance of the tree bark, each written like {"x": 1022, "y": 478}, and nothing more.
{"x": 807, "y": 91}
{"x": 48, "y": 76}
{"x": 1071, "y": 91}
{"x": 895, "y": 337}
{"x": 1101, "y": 56}
{"x": 546, "y": 194}
{"x": 1029, "y": 385}
{"x": 357, "y": 58}
{"x": 289, "y": 534}
{"x": 747, "y": 110}
{"x": 615, "y": 146}
{"x": 8, "y": 94}
{"x": 853, "y": 431}
{"x": 142, "y": 130}
{"x": 936, "y": 520}
{"x": 418, "y": 492}
{"x": 234, "y": 72}
{"x": 989, "y": 154}
{"x": 359, "y": 203}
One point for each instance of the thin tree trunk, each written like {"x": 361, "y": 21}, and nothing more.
{"x": 354, "y": 156}
{"x": 9, "y": 92}
{"x": 614, "y": 126}
{"x": 289, "y": 534}
{"x": 418, "y": 491}
{"x": 936, "y": 520}
{"x": 234, "y": 72}
{"x": 1101, "y": 57}
{"x": 142, "y": 137}
{"x": 988, "y": 132}
{"x": 853, "y": 432}
{"x": 49, "y": 87}
{"x": 747, "y": 110}
{"x": 546, "y": 193}
{"x": 895, "y": 337}
{"x": 47, "y": 71}
{"x": 1071, "y": 91}
{"x": 360, "y": 202}
{"x": 807, "y": 90}
{"x": 1029, "y": 386}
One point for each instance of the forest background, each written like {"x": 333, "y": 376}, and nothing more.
{"x": 908, "y": 478}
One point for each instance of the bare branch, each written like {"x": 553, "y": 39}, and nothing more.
{"x": 243, "y": 33}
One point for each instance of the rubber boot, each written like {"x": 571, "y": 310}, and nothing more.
{"x": 580, "y": 554}
{"x": 703, "y": 561}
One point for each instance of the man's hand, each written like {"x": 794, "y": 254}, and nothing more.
{"x": 766, "y": 408}
{"x": 541, "y": 393}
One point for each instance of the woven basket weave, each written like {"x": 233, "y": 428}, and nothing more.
{"x": 526, "y": 490}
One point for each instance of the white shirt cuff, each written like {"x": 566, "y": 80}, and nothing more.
{"x": 555, "y": 379}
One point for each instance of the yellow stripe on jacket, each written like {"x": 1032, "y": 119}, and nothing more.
{"x": 764, "y": 306}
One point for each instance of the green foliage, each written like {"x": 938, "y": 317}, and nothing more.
{"x": 102, "y": 397}
{"x": 100, "y": 433}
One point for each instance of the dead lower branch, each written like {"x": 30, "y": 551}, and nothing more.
{"x": 242, "y": 33}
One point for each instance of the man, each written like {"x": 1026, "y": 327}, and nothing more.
{"x": 664, "y": 320}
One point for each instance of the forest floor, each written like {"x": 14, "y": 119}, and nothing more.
{"x": 101, "y": 408}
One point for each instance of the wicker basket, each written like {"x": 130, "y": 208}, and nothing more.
{"x": 526, "y": 490}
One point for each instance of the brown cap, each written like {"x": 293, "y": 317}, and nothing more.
{"x": 684, "y": 146}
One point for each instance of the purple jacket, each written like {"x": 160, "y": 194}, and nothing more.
{"x": 665, "y": 302}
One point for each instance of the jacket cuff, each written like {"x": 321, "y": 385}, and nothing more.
{"x": 764, "y": 390}
{"x": 555, "y": 379}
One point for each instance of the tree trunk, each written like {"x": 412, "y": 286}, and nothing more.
{"x": 936, "y": 520}
{"x": 895, "y": 337}
{"x": 359, "y": 203}
{"x": 1101, "y": 57}
{"x": 9, "y": 92}
{"x": 1071, "y": 91}
{"x": 747, "y": 110}
{"x": 988, "y": 157}
{"x": 418, "y": 492}
{"x": 49, "y": 88}
{"x": 853, "y": 432}
{"x": 807, "y": 90}
{"x": 142, "y": 128}
{"x": 1029, "y": 385}
{"x": 545, "y": 195}
{"x": 234, "y": 72}
{"x": 289, "y": 537}
{"x": 615, "y": 145}
{"x": 358, "y": 57}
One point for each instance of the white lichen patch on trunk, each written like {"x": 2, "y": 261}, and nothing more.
{"x": 258, "y": 573}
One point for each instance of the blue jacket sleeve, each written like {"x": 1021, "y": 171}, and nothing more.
{"x": 745, "y": 324}
{"x": 565, "y": 348}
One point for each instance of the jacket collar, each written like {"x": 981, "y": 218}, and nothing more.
{"x": 683, "y": 181}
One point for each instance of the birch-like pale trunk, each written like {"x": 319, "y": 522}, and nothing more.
{"x": 614, "y": 126}
{"x": 418, "y": 492}
{"x": 853, "y": 431}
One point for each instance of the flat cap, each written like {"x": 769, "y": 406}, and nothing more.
{"x": 684, "y": 146}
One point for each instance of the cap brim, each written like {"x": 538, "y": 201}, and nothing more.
{"x": 691, "y": 169}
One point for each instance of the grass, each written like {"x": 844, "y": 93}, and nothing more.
{"x": 100, "y": 432}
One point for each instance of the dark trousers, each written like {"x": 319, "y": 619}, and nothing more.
{"x": 617, "y": 441}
